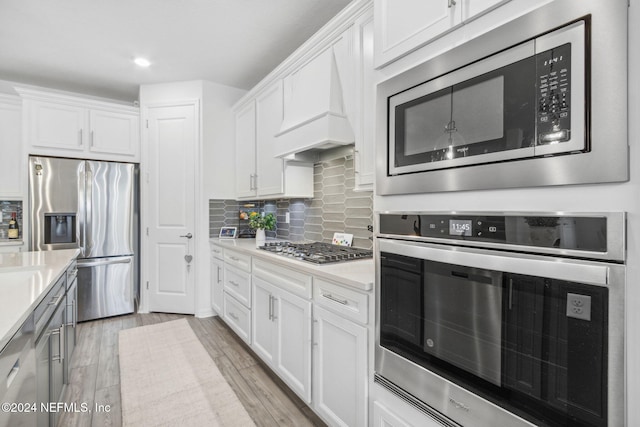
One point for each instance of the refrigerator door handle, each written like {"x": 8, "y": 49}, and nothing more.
{"x": 105, "y": 261}
{"x": 82, "y": 214}
{"x": 88, "y": 204}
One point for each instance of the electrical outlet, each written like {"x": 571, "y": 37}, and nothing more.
{"x": 579, "y": 306}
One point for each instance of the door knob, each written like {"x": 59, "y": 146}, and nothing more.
{"x": 188, "y": 235}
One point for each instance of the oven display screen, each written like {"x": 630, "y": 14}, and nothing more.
{"x": 460, "y": 227}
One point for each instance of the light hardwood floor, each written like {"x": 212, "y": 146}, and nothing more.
{"x": 95, "y": 373}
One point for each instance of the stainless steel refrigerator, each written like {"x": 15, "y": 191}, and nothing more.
{"x": 93, "y": 206}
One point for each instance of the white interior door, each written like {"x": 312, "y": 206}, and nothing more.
{"x": 171, "y": 208}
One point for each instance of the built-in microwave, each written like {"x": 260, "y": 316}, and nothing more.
{"x": 534, "y": 102}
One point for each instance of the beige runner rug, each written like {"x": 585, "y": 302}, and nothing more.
{"x": 167, "y": 378}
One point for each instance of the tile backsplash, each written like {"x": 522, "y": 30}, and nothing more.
{"x": 7, "y": 207}
{"x": 335, "y": 207}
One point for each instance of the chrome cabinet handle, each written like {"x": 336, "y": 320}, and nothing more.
{"x": 218, "y": 274}
{"x": 233, "y": 283}
{"x": 80, "y": 136}
{"x": 332, "y": 298}
{"x": 55, "y": 300}
{"x": 91, "y": 143}
{"x": 188, "y": 235}
{"x": 232, "y": 315}
{"x": 270, "y": 308}
{"x": 234, "y": 258}
{"x": 452, "y": 3}
{"x": 60, "y": 333}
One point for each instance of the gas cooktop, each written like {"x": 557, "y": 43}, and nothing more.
{"x": 317, "y": 252}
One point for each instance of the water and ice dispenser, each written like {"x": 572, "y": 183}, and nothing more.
{"x": 59, "y": 228}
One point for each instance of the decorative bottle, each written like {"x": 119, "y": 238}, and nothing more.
{"x": 14, "y": 231}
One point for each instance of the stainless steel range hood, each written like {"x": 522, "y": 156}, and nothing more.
{"x": 315, "y": 116}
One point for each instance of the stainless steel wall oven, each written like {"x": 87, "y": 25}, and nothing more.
{"x": 496, "y": 319}
{"x": 533, "y": 102}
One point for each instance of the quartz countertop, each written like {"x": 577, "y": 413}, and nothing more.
{"x": 25, "y": 279}
{"x": 359, "y": 274}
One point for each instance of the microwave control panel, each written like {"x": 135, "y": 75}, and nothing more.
{"x": 554, "y": 95}
{"x": 585, "y": 233}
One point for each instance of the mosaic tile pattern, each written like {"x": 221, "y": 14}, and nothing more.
{"x": 7, "y": 208}
{"x": 335, "y": 208}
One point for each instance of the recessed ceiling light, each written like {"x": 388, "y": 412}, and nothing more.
{"x": 142, "y": 62}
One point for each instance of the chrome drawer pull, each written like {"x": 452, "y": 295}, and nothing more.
{"x": 234, "y": 283}
{"x": 233, "y": 316}
{"x": 55, "y": 300}
{"x": 332, "y": 298}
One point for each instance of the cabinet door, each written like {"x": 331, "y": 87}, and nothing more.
{"x": 474, "y": 8}
{"x": 217, "y": 283}
{"x": 340, "y": 370}
{"x": 269, "y": 169}
{"x": 364, "y": 162}
{"x": 54, "y": 125}
{"x": 57, "y": 357}
{"x": 114, "y": 133}
{"x": 264, "y": 327}
{"x": 43, "y": 392}
{"x": 70, "y": 333}
{"x": 405, "y": 25}
{"x": 246, "y": 151}
{"x": 11, "y": 149}
{"x": 293, "y": 319}
{"x": 382, "y": 417}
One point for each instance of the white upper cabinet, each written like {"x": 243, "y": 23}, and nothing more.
{"x": 12, "y": 159}
{"x": 365, "y": 95}
{"x": 259, "y": 173}
{"x": 246, "y": 151}
{"x": 69, "y": 126}
{"x": 402, "y": 26}
{"x": 114, "y": 132}
{"x": 269, "y": 169}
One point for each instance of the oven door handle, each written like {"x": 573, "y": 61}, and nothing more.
{"x": 588, "y": 272}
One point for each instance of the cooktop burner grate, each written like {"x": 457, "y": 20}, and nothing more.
{"x": 317, "y": 252}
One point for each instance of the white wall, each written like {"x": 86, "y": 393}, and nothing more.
{"x": 587, "y": 198}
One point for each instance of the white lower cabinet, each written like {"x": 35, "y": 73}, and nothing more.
{"x": 217, "y": 284}
{"x": 238, "y": 317}
{"x": 382, "y": 417}
{"x": 340, "y": 369}
{"x": 312, "y": 332}
{"x": 282, "y": 334}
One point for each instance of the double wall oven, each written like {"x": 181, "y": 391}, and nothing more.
{"x": 503, "y": 319}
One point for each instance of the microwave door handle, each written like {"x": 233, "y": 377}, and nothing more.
{"x": 510, "y": 294}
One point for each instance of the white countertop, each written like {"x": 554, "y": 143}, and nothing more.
{"x": 25, "y": 279}
{"x": 359, "y": 274}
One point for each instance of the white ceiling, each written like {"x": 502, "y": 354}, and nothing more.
{"x": 88, "y": 46}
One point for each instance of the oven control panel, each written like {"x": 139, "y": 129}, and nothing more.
{"x": 584, "y": 233}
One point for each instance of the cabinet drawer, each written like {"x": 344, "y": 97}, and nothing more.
{"x": 238, "y": 260}
{"x": 290, "y": 280}
{"x": 341, "y": 300}
{"x": 238, "y": 284}
{"x": 217, "y": 252}
{"x": 238, "y": 317}
{"x": 45, "y": 309}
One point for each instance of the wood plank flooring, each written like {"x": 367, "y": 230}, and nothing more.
{"x": 95, "y": 374}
